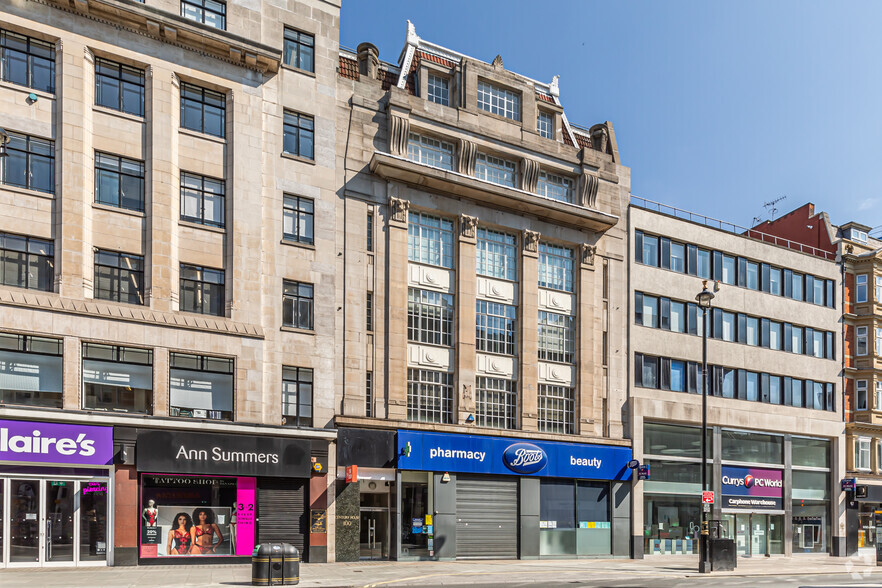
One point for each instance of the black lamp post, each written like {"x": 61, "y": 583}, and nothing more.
{"x": 704, "y": 299}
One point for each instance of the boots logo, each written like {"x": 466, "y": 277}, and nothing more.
{"x": 524, "y": 458}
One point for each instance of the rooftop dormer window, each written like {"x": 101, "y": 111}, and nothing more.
{"x": 499, "y": 101}
{"x": 438, "y": 90}
{"x": 858, "y": 235}
{"x": 545, "y": 125}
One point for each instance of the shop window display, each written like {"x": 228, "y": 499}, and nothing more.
{"x": 672, "y": 524}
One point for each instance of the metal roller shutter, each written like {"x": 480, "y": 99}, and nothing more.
{"x": 486, "y": 517}
{"x": 281, "y": 505}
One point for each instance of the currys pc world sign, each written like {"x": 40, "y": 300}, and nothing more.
{"x": 752, "y": 488}
{"x": 55, "y": 443}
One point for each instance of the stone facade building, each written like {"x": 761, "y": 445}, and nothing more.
{"x": 167, "y": 220}
{"x": 482, "y": 278}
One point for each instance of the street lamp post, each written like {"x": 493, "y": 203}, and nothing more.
{"x": 704, "y": 299}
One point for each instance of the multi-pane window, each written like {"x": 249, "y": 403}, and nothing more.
{"x": 495, "y": 170}
{"x": 861, "y": 391}
{"x": 556, "y": 267}
{"x": 200, "y": 386}
{"x": 299, "y": 135}
{"x": 545, "y": 124}
{"x": 878, "y": 399}
{"x": 298, "y": 305}
{"x": 495, "y": 327}
{"x": 118, "y": 379}
{"x": 878, "y": 349}
{"x": 429, "y": 396}
{"x": 30, "y": 163}
{"x": 119, "y": 277}
{"x": 497, "y": 255}
{"x": 495, "y": 403}
{"x": 499, "y": 101}
{"x": 369, "y": 394}
{"x": 119, "y": 87}
{"x": 861, "y": 340}
{"x": 298, "y": 218}
{"x": 27, "y": 61}
{"x": 429, "y": 151}
{"x": 369, "y": 228}
{"x": 30, "y": 370}
{"x": 119, "y": 181}
{"x": 429, "y": 239}
{"x": 861, "y": 287}
{"x": 202, "y": 200}
{"x": 299, "y": 50}
{"x": 438, "y": 89}
{"x": 202, "y": 290}
{"x": 555, "y": 187}
{"x": 862, "y": 453}
{"x": 26, "y": 262}
{"x": 429, "y": 317}
{"x": 878, "y": 298}
{"x": 297, "y": 396}
{"x": 557, "y": 409}
{"x": 369, "y": 312}
{"x": 209, "y": 12}
{"x": 556, "y": 337}
{"x": 203, "y": 110}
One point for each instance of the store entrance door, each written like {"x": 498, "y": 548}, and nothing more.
{"x": 375, "y": 530}
{"x": 756, "y": 534}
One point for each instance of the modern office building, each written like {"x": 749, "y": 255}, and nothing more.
{"x": 167, "y": 241}
{"x": 775, "y": 414}
{"x": 482, "y": 278}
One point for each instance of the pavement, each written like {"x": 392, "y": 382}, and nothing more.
{"x": 490, "y": 572}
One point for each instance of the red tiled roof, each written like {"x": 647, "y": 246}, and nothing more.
{"x": 388, "y": 78}
{"x": 435, "y": 59}
{"x": 584, "y": 141}
{"x": 348, "y": 68}
{"x": 545, "y": 97}
{"x": 566, "y": 137}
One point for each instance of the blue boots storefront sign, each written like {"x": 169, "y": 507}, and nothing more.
{"x": 443, "y": 452}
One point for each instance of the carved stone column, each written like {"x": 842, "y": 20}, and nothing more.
{"x": 529, "y": 332}
{"x": 399, "y": 128}
{"x": 466, "y": 292}
{"x": 465, "y": 157}
{"x": 589, "y": 342}
{"x": 396, "y": 297}
{"x": 588, "y": 184}
{"x": 529, "y": 174}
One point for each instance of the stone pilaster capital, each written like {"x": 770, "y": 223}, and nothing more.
{"x": 531, "y": 241}
{"x": 468, "y": 226}
{"x": 398, "y": 208}
{"x": 588, "y": 253}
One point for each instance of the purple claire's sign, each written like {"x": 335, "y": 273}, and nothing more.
{"x": 83, "y": 445}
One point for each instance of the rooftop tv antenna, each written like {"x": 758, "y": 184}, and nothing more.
{"x": 771, "y": 208}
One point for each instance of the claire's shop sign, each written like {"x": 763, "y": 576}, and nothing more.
{"x": 55, "y": 443}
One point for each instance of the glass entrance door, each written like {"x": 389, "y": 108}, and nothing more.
{"x": 24, "y": 519}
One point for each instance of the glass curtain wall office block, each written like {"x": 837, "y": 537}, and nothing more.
{"x": 556, "y": 337}
{"x": 545, "y": 125}
{"x": 30, "y": 163}
{"x": 438, "y": 89}
{"x": 429, "y": 240}
{"x": 212, "y": 13}
{"x": 429, "y": 396}
{"x": 299, "y": 50}
{"x": 119, "y": 181}
{"x": 497, "y": 255}
{"x": 297, "y": 396}
{"x": 298, "y": 305}
{"x": 429, "y": 317}
{"x": 499, "y": 101}
{"x": 299, "y": 135}
{"x": 495, "y": 328}
{"x": 430, "y": 151}
{"x": 203, "y": 110}
{"x": 495, "y": 403}
{"x": 118, "y": 379}
{"x": 495, "y": 170}
{"x": 298, "y": 219}
{"x": 26, "y": 262}
{"x": 202, "y": 290}
{"x": 200, "y": 386}
{"x": 556, "y": 267}
{"x": 119, "y": 87}
{"x": 30, "y": 370}
{"x": 555, "y": 187}
{"x": 557, "y": 409}
{"x": 202, "y": 200}
{"x": 119, "y": 277}
{"x": 27, "y": 61}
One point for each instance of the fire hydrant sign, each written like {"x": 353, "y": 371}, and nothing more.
{"x": 707, "y": 497}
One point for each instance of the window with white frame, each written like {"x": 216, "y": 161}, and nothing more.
{"x": 499, "y": 101}
{"x": 556, "y": 269}
{"x": 118, "y": 379}
{"x": 200, "y": 386}
{"x": 861, "y": 340}
{"x": 429, "y": 239}
{"x": 497, "y": 255}
{"x": 429, "y": 317}
{"x": 495, "y": 327}
{"x": 859, "y": 235}
{"x": 429, "y": 151}
{"x": 495, "y": 403}
{"x": 545, "y": 125}
{"x": 557, "y": 409}
{"x": 860, "y": 387}
{"x": 862, "y": 453}
{"x": 878, "y": 403}
{"x": 495, "y": 170}
{"x": 429, "y": 396}
{"x": 556, "y": 337}
{"x": 878, "y": 341}
{"x": 555, "y": 187}
{"x": 438, "y": 90}
{"x": 297, "y": 396}
{"x": 878, "y": 290}
{"x": 861, "y": 287}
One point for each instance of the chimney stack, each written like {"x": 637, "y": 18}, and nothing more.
{"x": 368, "y": 60}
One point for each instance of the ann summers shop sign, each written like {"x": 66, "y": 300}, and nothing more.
{"x": 238, "y": 455}
{"x": 752, "y": 488}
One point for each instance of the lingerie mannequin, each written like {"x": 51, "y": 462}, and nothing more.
{"x": 150, "y": 514}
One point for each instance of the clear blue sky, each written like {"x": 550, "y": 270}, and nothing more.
{"x": 718, "y": 108}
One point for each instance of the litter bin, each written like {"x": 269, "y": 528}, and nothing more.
{"x": 275, "y": 564}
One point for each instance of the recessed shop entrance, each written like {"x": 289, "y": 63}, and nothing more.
{"x": 755, "y": 534}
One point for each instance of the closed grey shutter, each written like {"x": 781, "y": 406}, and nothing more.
{"x": 282, "y": 512}
{"x": 486, "y": 517}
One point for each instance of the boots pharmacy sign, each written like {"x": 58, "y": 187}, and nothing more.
{"x": 752, "y": 488}
{"x": 55, "y": 443}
